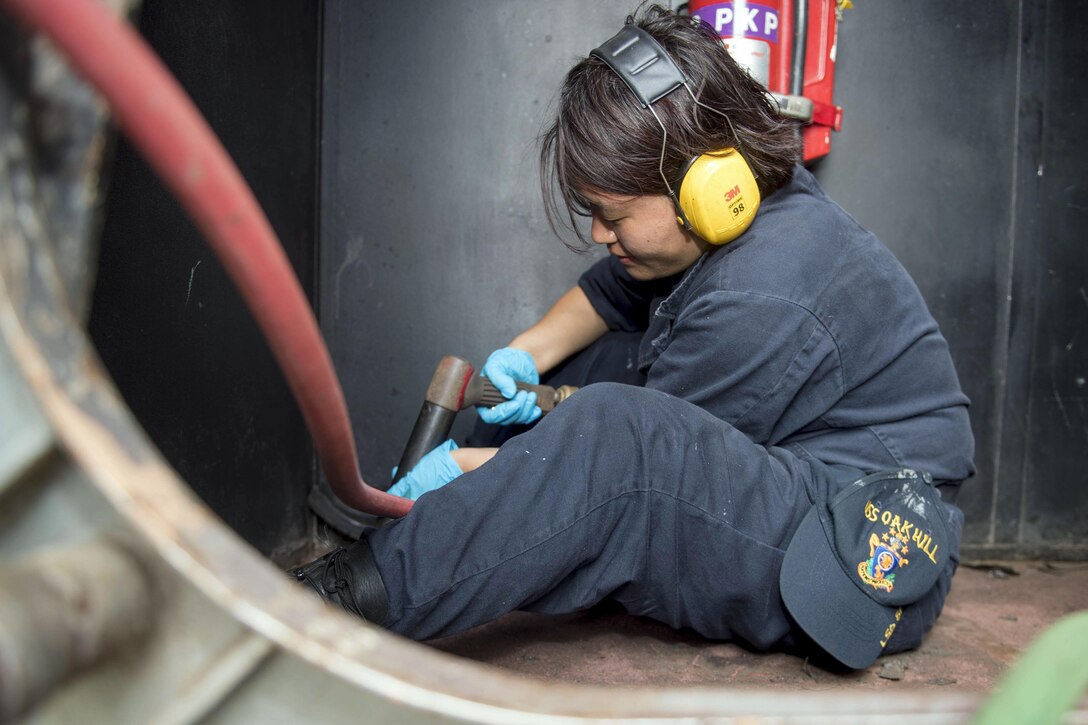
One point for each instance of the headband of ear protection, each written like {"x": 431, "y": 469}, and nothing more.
{"x": 718, "y": 194}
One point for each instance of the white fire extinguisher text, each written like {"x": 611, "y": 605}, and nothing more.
{"x": 745, "y": 21}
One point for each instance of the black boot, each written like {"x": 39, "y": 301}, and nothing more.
{"x": 350, "y": 579}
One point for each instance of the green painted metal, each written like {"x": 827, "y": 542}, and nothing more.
{"x": 1047, "y": 681}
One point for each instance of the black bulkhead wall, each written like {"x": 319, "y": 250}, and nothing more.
{"x": 963, "y": 151}
{"x": 169, "y": 325}
{"x": 1042, "y": 492}
{"x": 925, "y": 160}
{"x": 960, "y": 148}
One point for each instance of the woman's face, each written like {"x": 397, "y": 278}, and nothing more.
{"x": 644, "y": 234}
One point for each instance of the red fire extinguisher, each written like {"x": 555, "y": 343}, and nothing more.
{"x": 789, "y": 46}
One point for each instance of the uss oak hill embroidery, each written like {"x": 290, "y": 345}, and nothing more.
{"x": 888, "y": 552}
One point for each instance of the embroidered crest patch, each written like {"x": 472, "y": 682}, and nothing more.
{"x": 887, "y": 553}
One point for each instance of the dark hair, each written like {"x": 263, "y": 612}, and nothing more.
{"x": 604, "y": 140}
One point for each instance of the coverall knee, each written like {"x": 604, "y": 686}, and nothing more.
{"x": 623, "y": 493}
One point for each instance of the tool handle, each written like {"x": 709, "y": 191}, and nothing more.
{"x": 432, "y": 427}
{"x": 450, "y": 387}
{"x": 454, "y": 387}
{"x": 547, "y": 397}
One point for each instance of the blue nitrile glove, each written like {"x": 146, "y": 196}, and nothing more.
{"x": 505, "y": 368}
{"x": 434, "y": 470}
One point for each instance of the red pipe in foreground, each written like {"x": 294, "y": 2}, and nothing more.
{"x": 162, "y": 122}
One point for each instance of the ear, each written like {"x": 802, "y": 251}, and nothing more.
{"x": 719, "y": 195}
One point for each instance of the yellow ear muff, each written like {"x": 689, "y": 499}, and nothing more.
{"x": 719, "y": 196}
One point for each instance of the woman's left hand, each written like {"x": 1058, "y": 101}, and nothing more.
{"x": 433, "y": 471}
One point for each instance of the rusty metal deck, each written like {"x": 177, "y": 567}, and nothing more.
{"x": 992, "y": 614}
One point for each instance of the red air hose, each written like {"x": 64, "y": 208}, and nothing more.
{"x": 159, "y": 119}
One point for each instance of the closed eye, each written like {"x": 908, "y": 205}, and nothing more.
{"x": 607, "y": 219}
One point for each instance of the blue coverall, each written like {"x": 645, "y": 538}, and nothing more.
{"x": 803, "y": 349}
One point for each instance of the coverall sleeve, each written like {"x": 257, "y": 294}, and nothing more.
{"x": 746, "y": 358}
{"x": 621, "y": 301}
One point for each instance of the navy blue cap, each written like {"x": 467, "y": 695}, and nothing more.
{"x": 857, "y": 560}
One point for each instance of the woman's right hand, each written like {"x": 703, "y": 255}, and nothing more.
{"x": 505, "y": 368}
